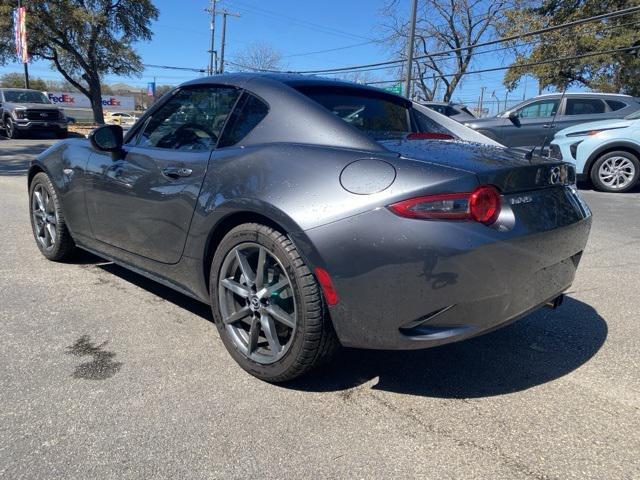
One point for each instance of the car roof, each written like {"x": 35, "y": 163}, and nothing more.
{"x": 581, "y": 94}
{"x": 294, "y": 80}
{"x": 19, "y": 89}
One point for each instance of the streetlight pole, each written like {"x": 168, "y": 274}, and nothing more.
{"x": 25, "y": 64}
{"x": 410, "y": 45}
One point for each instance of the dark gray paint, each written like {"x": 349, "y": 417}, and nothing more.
{"x": 390, "y": 272}
{"x": 532, "y": 132}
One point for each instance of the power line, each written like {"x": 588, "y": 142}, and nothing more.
{"x": 170, "y": 67}
{"x": 493, "y": 50}
{"x": 334, "y": 49}
{"x": 522, "y": 65}
{"x": 312, "y": 25}
{"x": 574, "y": 23}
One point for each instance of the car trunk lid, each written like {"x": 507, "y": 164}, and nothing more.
{"x": 507, "y": 170}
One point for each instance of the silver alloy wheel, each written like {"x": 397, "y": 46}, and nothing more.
{"x": 617, "y": 172}
{"x": 257, "y": 303}
{"x": 45, "y": 219}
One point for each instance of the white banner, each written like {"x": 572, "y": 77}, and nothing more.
{"x": 78, "y": 100}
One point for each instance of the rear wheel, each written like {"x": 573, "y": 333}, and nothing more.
{"x": 616, "y": 171}
{"x": 267, "y": 305}
{"x": 47, "y": 221}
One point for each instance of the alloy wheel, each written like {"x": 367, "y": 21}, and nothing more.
{"x": 617, "y": 172}
{"x": 257, "y": 303}
{"x": 45, "y": 219}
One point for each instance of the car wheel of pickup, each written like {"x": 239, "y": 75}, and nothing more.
{"x": 616, "y": 171}
{"x": 268, "y": 306}
{"x": 10, "y": 129}
{"x": 47, "y": 221}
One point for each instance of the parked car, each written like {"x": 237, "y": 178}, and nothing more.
{"x": 605, "y": 152}
{"x": 530, "y": 123}
{"x": 119, "y": 118}
{"x": 456, "y": 111}
{"x": 23, "y": 111}
{"x": 306, "y": 225}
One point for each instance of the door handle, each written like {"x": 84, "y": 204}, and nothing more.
{"x": 548, "y": 125}
{"x": 176, "y": 172}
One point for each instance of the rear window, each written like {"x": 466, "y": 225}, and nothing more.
{"x": 380, "y": 116}
{"x": 584, "y": 106}
{"x": 616, "y": 105}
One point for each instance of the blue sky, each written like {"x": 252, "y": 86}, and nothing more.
{"x": 295, "y": 28}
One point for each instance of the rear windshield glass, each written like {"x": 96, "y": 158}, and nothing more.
{"x": 25, "y": 96}
{"x": 380, "y": 116}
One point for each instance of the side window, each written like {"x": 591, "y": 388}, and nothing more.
{"x": 616, "y": 105}
{"x": 425, "y": 124}
{"x": 246, "y": 116}
{"x": 584, "y": 106}
{"x": 541, "y": 108}
{"x": 191, "y": 120}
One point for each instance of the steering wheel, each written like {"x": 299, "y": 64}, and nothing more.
{"x": 186, "y": 134}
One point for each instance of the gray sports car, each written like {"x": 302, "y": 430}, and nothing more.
{"x": 311, "y": 213}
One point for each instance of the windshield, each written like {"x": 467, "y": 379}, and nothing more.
{"x": 25, "y": 96}
{"x": 377, "y": 114}
{"x": 633, "y": 116}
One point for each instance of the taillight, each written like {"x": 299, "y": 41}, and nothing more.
{"x": 482, "y": 205}
{"x": 429, "y": 136}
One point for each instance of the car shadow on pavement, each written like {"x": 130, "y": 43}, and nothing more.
{"x": 537, "y": 349}
{"x": 540, "y": 348}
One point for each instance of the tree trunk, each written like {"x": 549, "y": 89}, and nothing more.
{"x": 95, "y": 96}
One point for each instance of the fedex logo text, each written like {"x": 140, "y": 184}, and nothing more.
{"x": 64, "y": 98}
{"x": 110, "y": 102}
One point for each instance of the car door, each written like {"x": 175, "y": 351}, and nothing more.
{"x": 582, "y": 110}
{"x": 142, "y": 201}
{"x": 535, "y": 122}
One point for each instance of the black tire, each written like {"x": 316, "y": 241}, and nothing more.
{"x": 313, "y": 342}
{"x": 631, "y": 179}
{"x": 63, "y": 246}
{"x": 62, "y": 134}
{"x": 10, "y": 129}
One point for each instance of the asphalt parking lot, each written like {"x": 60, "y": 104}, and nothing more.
{"x": 104, "y": 374}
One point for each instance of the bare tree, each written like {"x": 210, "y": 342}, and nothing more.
{"x": 258, "y": 56}
{"x": 443, "y": 25}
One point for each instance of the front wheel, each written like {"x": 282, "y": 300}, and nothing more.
{"x": 267, "y": 305}
{"x": 615, "y": 171}
{"x": 10, "y": 129}
{"x": 47, "y": 220}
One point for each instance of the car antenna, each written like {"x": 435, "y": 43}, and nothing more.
{"x": 529, "y": 155}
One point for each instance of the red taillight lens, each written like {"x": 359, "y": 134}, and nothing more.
{"x": 429, "y": 136}
{"x": 330, "y": 293}
{"x": 482, "y": 205}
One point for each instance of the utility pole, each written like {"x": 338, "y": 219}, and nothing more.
{"x": 410, "y": 45}
{"x": 225, "y": 14}
{"x": 480, "y": 101}
{"x": 212, "y": 61}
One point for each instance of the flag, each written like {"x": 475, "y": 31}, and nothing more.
{"x": 151, "y": 89}
{"x": 20, "y": 33}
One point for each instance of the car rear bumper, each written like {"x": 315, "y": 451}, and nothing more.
{"x": 408, "y": 284}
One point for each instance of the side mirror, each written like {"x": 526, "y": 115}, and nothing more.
{"x": 108, "y": 138}
{"x": 513, "y": 116}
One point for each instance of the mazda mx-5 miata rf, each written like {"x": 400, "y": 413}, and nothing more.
{"x": 311, "y": 213}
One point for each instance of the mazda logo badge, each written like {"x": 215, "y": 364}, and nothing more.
{"x": 43, "y": 115}
{"x": 556, "y": 176}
